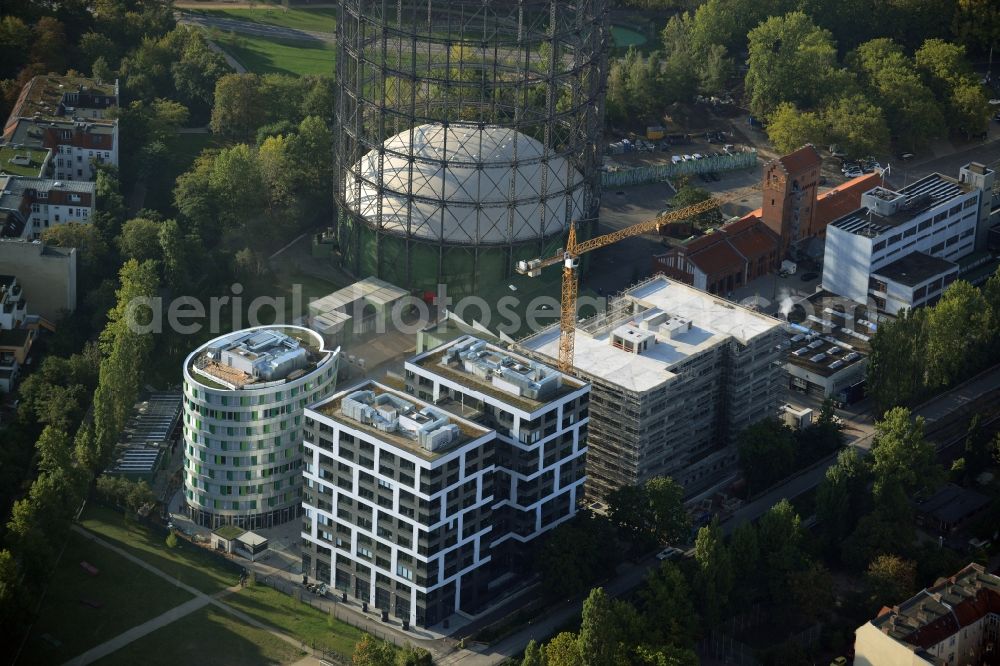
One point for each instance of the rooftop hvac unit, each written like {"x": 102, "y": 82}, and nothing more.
{"x": 818, "y": 358}
{"x": 836, "y": 364}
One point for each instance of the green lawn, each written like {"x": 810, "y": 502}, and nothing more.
{"x": 208, "y": 636}
{"x": 263, "y": 56}
{"x": 187, "y": 563}
{"x": 316, "y": 20}
{"x": 128, "y": 595}
{"x": 305, "y": 623}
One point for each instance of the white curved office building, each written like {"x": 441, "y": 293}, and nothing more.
{"x": 244, "y": 395}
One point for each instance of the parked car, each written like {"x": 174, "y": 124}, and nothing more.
{"x": 676, "y": 159}
{"x": 669, "y": 553}
{"x": 688, "y": 158}
{"x": 698, "y": 156}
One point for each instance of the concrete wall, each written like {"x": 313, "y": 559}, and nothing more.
{"x": 47, "y": 275}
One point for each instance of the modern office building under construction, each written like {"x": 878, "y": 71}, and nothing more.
{"x": 676, "y": 374}
{"x": 467, "y": 135}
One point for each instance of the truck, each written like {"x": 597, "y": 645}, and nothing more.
{"x": 852, "y": 394}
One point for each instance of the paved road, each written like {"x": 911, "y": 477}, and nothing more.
{"x": 256, "y": 29}
{"x": 988, "y": 380}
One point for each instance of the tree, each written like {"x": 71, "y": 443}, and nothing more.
{"x": 48, "y": 44}
{"x": 841, "y": 496}
{"x": 370, "y": 651}
{"x": 949, "y": 74}
{"x": 856, "y": 125}
{"x": 140, "y": 240}
{"x": 277, "y": 170}
{"x": 892, "y": 376}
{"x": 172, "y": 540}
{"x": 563, "y": 650}
{"x": 767, "y": 453}
{"x": 412, "y": 655}
{"x": 890, "y": 579}
{"x": 811, "y": 591}
{"x": 236, "y": 181}
{"x": 15, "y": 36}
{"x": 237, "y": 111}
{"x": 576, "y": 554}
{"x": 913, "y": 114}
{"x": 901, "y": 456}
{"x": 195, "y": 201}
{"x": 789, "y": 128}
{"x": 689, "y": 195}
{"x": 665, "y": 602}
{"x": 977, "y": 24}
{"x": 888, "y": 529}
{"x": 533, "y": 654}
{"x": 196, "y": 73}
{"x": 670, "y": 520}
{"x": 780, "y": 539}
{"x": 715, "y": 576}
{"x": 745, "y": 552}
{"x": 92, "y": 250}
{"x": 600, "y": 636}
{"x": 782, "y": 48}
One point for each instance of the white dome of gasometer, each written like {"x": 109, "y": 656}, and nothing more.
{"x": 468, "y": 185}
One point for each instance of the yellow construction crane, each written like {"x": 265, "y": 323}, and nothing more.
{"x": 570, "y": 259}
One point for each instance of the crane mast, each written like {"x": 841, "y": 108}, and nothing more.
{"x": 570, "y": 259}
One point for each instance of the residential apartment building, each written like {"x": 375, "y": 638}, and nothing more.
{"x": 17, "y": 332}
{"x": 420, "y": 502}
{"x": 47, "y": 274}
{"x": 938, "y": 216}
{"x": 398, "y": 503}
{"x": 541, "y": 417}
{"x": 70, "y": 116}
{"x": 676, "y": 375}
{"x": 955, "y": 622}
{"x": 29, "y": 206}
{"x": 244, "y": 396}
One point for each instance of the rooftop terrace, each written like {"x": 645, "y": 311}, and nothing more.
{"x": 883, "y": 209}
{"x": 22, "y": 161}
{"x": 58, "y": 97}
{"x": 498, "y": 373}
{"x": 683, "y": 321}
{"x": 400, "y": 419}
{"x": 257, "y": 358}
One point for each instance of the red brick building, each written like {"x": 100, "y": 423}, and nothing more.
{"x": 792, "y": 214}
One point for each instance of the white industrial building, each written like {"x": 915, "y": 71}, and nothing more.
{"x": 244, "y": 394}
{"x": 938, "y": 216}
{"x": 676, "y": 375}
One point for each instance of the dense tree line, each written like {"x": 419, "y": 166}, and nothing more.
{"x": 818, "y": 74}
{"x": 71, "y": 449}
{"x": 769, "y": 451}
{"x": 953, "y": 338}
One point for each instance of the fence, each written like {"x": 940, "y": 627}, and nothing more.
{"x": 652, "y": 174}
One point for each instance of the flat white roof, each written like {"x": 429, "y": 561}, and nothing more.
{"x": 713, "y": 320}
{"x": 371, "y": 289}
